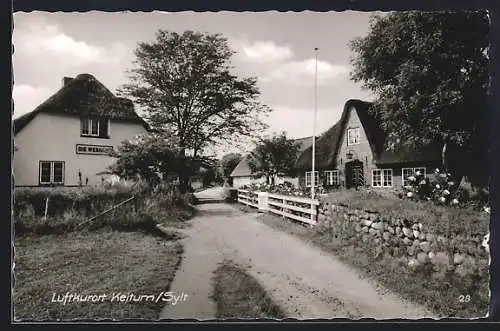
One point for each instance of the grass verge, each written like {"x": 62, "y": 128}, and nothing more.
{"x": 239, "y": 295}
{"x": 442, "y": 296}
{"x": 92, "y": 263}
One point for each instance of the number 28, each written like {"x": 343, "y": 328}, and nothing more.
{"x": 464, "y": 298}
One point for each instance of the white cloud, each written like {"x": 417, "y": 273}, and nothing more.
{"x": 27, "y": 97}
{"x": 49, "y": 41}
{"x": 266, "y": 51}
{"x": 302, "y": 72}
{"x": 299, "y": 123}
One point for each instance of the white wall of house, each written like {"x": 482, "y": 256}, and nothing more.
{"x": 50, "y": 137}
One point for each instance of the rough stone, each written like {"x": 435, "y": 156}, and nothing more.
{"x": 372, "y": 231}
{"x": 425, "y": 246}
{"x": 416, "y": 233}
{"x": 376, "y": 240}
{"x": 406, "y": 231}
{"x": 386, "y": 236}
{"x": 413, "y": 263}
{"x": 410, "y": 250}
{"x": 368, "y": 222}
{"x": 391, "y": 230}
{"x": 416, "y": 242}
{"x": 357, "y": 228}
{"x": 407, "y": 241}
{"x": 458, "y": 258}
{"x": 422, "y": 236}
{"x": 414, "y": 227}
{"x": 365, "y": 229}
{"x": 377, "y": 225}
{"x": 422, "y": 257}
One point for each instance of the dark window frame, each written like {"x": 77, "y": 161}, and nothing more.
{"x": 51, "y": 183}
{"x": 102, "y": 122}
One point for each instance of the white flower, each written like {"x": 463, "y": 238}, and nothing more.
{"x": 454, "y": 201}
{"x": 412, "y": 178}
{"x": 446, "y": 192}
{"x": 436, "y": 171}
{"x": 438, "y": 186}
{"x": 409, "y": 194}
{"x": 423, "y": 182}
{"x": 443, "y": 175}
{"x": 486, "y": 209}
{"x": 417, "y": 173}
{"x": 451, "y": 183}
{"x": 442, "y": 199}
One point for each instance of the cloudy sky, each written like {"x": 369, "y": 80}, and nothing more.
{"x": 277, "y": 48}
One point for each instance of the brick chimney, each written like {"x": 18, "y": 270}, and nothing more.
{"x": 66, "y": 80}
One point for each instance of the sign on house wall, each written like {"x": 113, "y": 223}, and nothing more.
{"x": 93, "y": 149}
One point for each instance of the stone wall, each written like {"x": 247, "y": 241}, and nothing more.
{"x": 408, "y": 241}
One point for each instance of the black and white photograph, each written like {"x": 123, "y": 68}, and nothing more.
{"x": 221, "y": 166}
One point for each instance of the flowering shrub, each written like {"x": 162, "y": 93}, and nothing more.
{"x": 286, "y": 188}
{"x": 440, "y": 189}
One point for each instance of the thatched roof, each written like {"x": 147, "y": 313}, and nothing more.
{"x": 84, "y": 95}
{"x": 328, "y": 144}
{"x": 243, "y": 169}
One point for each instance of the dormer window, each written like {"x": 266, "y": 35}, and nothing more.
{"x": 94, "y": 127}
{"x": 353, "y": 136}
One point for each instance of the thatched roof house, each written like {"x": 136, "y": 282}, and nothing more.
{"x": 367, "y": 152}
{"x": 68, "y": 139}
{"x": 84, "y": 95}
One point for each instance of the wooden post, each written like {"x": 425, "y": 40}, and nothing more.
{"x": 46, "y": 208}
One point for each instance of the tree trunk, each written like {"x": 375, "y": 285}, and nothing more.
{"x": 183, "y": 174}
{"x": 444, "y": 156}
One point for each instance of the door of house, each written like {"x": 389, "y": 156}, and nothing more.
{"x": 354, "y": 174}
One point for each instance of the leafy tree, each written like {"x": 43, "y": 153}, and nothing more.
{"x": 150, "y": 157}
{"x": 184, "y": 84}
{"x": 429, "y": 72}
{"x": 274, "y": 157}
{"x": 227, "y": 165}
{"x": 154, "y": 157}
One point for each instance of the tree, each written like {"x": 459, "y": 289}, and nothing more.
{"x": 184, "y": 83}
{"x": 274, "y": 157}
{"x": 429, "y": 72}
{"x": 150, "y": 157}
{"x": 227, "y": 165}
{"x": 154, "y": 158}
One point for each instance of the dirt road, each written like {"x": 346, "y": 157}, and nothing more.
{"x": 306, "y": 282}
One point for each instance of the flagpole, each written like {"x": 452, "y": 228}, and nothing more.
{"x": 313, "y": 177}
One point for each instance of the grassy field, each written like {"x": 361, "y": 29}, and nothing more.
{"x": 439, "y": 295}
{"x": 239, "y": 296}
{"x": 94, "y": 263}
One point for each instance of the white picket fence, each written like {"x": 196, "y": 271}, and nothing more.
{"x": 297, "y": 208}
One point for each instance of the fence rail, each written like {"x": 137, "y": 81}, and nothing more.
{"x": 248, "y": 198}
{"x": 296, "y": 208}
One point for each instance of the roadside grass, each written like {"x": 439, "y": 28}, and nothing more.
{"x": 439, "y": 295}
{"x": 92, "y": 263}
{"x": 240, "y": 296}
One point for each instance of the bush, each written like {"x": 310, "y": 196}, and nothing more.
{"x": 438, "y": 188}
{"x": 286, "y": 189}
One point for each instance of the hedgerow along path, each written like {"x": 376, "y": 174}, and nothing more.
{"x": 305, "y": 281}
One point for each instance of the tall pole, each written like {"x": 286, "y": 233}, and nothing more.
{"x": 313, "y": 177}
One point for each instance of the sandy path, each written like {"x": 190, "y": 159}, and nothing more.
{"x": 305, "y": 281}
